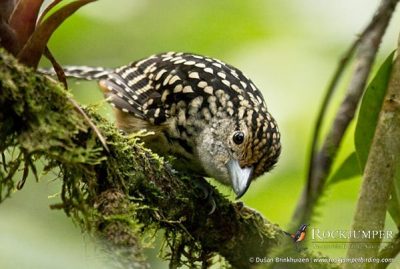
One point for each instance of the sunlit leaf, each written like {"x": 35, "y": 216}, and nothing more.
{"x": 34, "y": 48}
{"x": 347, "y": 170}
{"x": 369, "y": 111}
{"x": 23, "y": 19}
{"x": 47, "y": 9}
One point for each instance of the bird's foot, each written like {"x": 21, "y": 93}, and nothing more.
{"x": 207, "y": 191}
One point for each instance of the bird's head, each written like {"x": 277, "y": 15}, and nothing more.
{"x": 236, "y": 151}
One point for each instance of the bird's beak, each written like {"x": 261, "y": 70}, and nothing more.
{"x": 240, "y": 177}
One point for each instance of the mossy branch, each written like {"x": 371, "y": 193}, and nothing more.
{"x": 123, "y": 194}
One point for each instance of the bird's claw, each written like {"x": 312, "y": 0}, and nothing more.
{"x": 207, "y": 194}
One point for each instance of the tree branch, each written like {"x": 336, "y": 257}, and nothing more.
{"x": 321, "y": 162}
{"x": 382, "y": 165}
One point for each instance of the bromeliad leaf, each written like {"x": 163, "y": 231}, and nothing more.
{"x": 369, "y": 111}
{"x": 23, "y": 19}
{"x": 35, "y": 46}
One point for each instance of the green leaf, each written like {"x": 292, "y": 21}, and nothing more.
{"x": 347, "y": 170}
{"x": 369, "y": 111}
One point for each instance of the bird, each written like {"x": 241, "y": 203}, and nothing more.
{"x": 203, "y": 112}
{"x": 300, "y": 234}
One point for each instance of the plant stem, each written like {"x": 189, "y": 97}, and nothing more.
{"x": 321, "y": 162}
{"x": 382, "y": 164}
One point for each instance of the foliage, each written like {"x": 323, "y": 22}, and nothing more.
{"x": 29, "y": 31}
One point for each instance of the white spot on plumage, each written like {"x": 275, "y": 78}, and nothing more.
{"x": 160, "y": 73}
{"x": 226, "y": 82}
{"x": 153, "y": 68}
{"x": 174, "y": 79}
{"x": 164, "y": 95}
{"x": 244, "y": 84}
{"x": 233, "y": 72}
{"x": 189, "y": 63}
{"x": 125, "y": 110}
{"x": 176, "y": 59}
{"x": 157, "y": 113}
{"x": 209, "y": 90}
{"x": 202, "y": 84}
{"x": 194, "y": 75}
{"x": 166, "y": 80}
{"x": 167, "y": 58}
{"x": 200, "y": 65}
{"x": 181, "y": 117}
{"x": 212, "y": 104}
{"x": 217, "y": 65}
{"x": 244, "y": 103}
{"x": 206, "y": 113}
{"x": 187, "y": 89}
{"x": 195, "y": 104}
{"x": 235, "y": 88}
{"x": 253, "y": 87}
{"x": 221, "y": 75}
{"x": 179, "y": 61}
{"x": 209, "y": 70}
{"x": 178, "y": 88}
{"x": 241, "y": 112}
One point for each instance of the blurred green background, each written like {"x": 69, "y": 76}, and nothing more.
{"x": 288, "y": 48}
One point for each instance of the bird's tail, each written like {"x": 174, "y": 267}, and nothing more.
{"x": 80, "y": 72}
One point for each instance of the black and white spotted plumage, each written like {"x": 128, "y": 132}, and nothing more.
{"x": 183, "y": 97}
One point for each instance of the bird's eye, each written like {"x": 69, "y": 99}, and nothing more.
{"x": 238, "y": 137}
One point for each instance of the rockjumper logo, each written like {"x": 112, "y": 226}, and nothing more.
{"x": 322, "y": 235}
{"x": 299, "y": 235}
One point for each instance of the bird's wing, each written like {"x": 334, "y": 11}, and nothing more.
{"x": 130, "y": 90}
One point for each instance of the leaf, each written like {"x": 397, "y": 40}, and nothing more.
{"x": 23, "y": 19}
{"x": 47, "y": 9}
{"x": 348, "y": 169}
{"x": 369, "y": 111}
{"x": 34, "y": 48}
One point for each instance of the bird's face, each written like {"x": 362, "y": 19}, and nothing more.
{"x": 236, "y": 152}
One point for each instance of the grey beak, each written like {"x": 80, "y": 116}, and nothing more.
{"x": 240, "y": 177}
